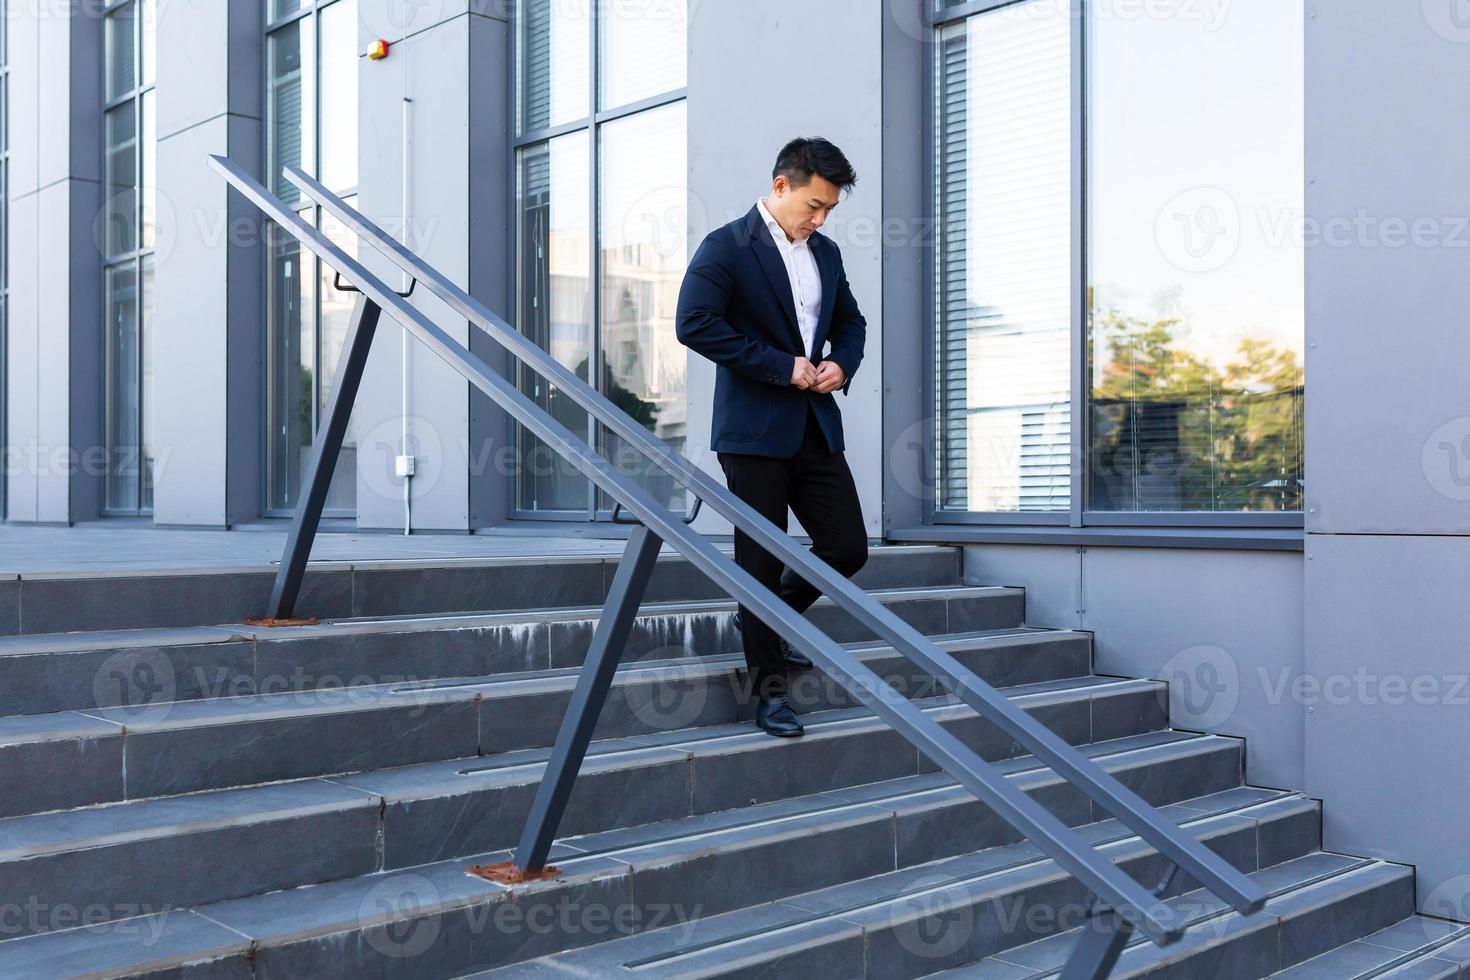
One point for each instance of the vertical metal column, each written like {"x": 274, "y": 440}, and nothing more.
{"x": 329, "y": 436}
{"x": 588, "y": 698}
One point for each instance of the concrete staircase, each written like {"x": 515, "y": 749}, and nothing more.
{"x": 185, "y": 796}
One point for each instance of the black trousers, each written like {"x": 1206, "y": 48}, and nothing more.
{"x": 818, "y": 488}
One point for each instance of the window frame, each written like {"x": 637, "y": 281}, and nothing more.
{"x": 592, "y": 121}
{"x": 4, "y": 252}
{"x": 308, "y": 210}
{"x": 137, "y": 256}
{"x": 1078, "y": 514}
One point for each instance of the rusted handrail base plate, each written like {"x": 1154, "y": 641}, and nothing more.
{"x": 252, "y": 621}
{"x": 506, "y": 873}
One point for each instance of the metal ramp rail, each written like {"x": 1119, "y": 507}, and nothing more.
{"x": 1121, "y": 904}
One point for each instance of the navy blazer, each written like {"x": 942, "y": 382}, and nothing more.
{"x": 736, "y": 308}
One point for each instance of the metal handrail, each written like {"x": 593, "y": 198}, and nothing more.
{"x": 1128, "y": 903}
{"x": 1134, "y": 812}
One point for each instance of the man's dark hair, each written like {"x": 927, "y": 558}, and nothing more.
{"x": 802, "y": 157}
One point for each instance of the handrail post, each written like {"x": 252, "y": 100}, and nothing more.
{"x": 593, "y": 683}
{"x": 1104, "y": 935}
{"x": 318, "y": 477}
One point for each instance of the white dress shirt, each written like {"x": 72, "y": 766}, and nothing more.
{"x": 801, "y": 270}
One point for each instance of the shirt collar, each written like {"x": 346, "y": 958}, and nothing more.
{"x": 777, "y": 232}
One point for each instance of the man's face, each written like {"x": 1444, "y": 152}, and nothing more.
{"x": 801, "y": 210}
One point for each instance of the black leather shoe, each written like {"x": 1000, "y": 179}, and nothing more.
{"x": 791, "y": 656}
{"x": 775, "y": 715}
{"x": 794, "y": 658}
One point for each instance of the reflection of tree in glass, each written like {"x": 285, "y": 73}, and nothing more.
{"x": 1174, "y": 431}
{"x": 643, "y": 411}
{"x": 308, "y": 395}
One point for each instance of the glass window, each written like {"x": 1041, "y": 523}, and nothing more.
{"x": 642, "y": 244}
{"x": 339, "y": 96}
{"x": 553, "y": 41}
{"x": 123, "y": 395}
{"x": 291, "y": 105}
{"x": 148, "y": 175}
{"x": 335, "y": 320}
{"x": 600, "y": 252}
{"x": 4, "y": 219}
{"x": 122, "y": 179}
{"x": 284, "y": 8}
{"x": 1196, "y": 304}
{"x": 312, "y": 97}
{"x": 121, "y": 58}
{"x": 146, "y": 430}
{"x": 1003, "y": 337}
{"x": 148, "y": 47}
{"x": 1193, "y": 303}
{"x": 126, "y": 237}
{"x": 553, "y": 250}
{"x": 291, "y": 295}
{"x": 642, "y": 49}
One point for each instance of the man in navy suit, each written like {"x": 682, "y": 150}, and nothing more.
{"x": 765, "y": 297}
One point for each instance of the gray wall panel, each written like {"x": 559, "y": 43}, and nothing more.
{"x": 1388, "y": 408}
{"x": 430, "y": 68}
{"x": 1052, "y": 578}
{"x": 1388, "y": 709}
{"x": 1388, "y": 435}
{"x": 1222, "y": 627}
{"x": 740, "y": 114}
{"x": 208, "y": 325}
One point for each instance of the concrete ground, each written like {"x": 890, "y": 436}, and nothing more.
{"x": 107, "y": 546}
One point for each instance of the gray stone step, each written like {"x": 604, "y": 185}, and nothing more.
{"x": 142, "y": 669}
{"x": 903, "y": 923}
{"x": 149, "y": 852}
{"x": 1419, "y": 946}
{"x": 60, "y": 601}
{"x": 716, "y": 860}
{"x": 56, "y": 761}
{"x": 1319, "y": 902}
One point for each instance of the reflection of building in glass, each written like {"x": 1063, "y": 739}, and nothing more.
{"x": 639, "y": 348}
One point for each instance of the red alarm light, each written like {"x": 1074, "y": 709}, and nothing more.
{"x": 378, "y": 50}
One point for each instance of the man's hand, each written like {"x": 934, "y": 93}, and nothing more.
{"x": 803, "y": 375}
{"x": 830, "y": 377}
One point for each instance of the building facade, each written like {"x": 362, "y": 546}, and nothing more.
{"x": 1133, "y": 272}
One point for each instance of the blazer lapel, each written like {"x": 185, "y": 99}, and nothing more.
{"x": 775, "y": 270}
{"x": 827, "y": 268}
